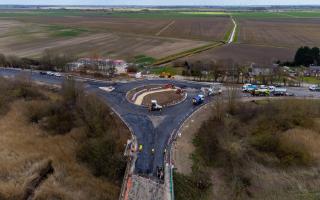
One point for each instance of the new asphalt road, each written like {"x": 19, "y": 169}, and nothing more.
{"x": 152, "y": 129}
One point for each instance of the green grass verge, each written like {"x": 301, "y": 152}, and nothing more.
{"x": 311, "y": 80}
{"x": 142, "y": 59}
{"x": 186, "y": 53}
{"x": 168, "y": 69}
{"x": 62, "y": 31}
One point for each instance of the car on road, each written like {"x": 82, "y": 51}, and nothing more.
{"x": 57, "y": 74}
{"x": 197, "y": 100}
{"x": 314, "y": 88}
{"x": 43, "y": 73}
{"x": 155, "y": 106}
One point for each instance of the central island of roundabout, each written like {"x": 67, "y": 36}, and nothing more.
{"x": 164, "y": 95}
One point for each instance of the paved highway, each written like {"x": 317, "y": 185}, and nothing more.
{"x": 152, "y": 129}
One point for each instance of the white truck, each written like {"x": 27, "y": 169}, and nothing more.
{"x": 155, "y": 106}
{"x": 214, "y": 89}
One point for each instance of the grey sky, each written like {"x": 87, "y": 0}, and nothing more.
{"x": 163, "y": 2}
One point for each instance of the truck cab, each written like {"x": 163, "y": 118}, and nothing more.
{"x": 199, "y": 99}
{"x": 155, "y": 106}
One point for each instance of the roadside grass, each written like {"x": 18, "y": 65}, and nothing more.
{"x": 311, "y": 80}
{"x": 236, "y": 34}
{"x": 187, "y": 187}
{"x": 166, "y": 69}
{"x": 86, "y": 150}
{"x": 227, "y": 35}
{"x": 143, "y": 59}
{"x": 259, "y": 144}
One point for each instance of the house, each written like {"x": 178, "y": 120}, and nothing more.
{"x": 262, "y": 70}
{"x": 313, "y": 71}
{"x": 120, "y": 66}
{"x": 101, "y": 65}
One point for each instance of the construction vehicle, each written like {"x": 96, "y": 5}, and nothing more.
{"x": 249, "y": 87}
{"x": 165, "y": 75}
{"x": 279, "y": 91}
{"x": 260, "y": 92}
{"x": 155, "y": 106}
{"x": 197, "y": 100}
{"x": 214, "y": 89}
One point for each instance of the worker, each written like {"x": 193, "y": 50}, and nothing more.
{"x": 152, "y": 150}
{"x": 165, "y": 151}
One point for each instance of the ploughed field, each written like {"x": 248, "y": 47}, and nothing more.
{"x": 289, "y": 33}
{"x": 245, "y": 54}
{"x": 111, "y": 36}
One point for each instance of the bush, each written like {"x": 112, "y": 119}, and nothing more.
{"x": 59, "y": 121}
{"x": 103, "y": 159}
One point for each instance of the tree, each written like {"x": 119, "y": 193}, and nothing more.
{"x": 307, "y": 56}
{"x": 3, "y": 60}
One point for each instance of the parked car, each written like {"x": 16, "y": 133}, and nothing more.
{"x": 314, "y": 88}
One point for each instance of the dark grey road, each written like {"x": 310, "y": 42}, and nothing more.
{"x": 152, "y": 129}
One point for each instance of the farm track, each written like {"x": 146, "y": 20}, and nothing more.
{"x": 165, "y": 28}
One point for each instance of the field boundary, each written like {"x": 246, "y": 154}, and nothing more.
{"x": 165, "y": 28}
{"x": 186, "y": 53}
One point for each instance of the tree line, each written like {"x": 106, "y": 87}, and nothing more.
{"x": 49, "y": 60}
{"x": 304, "y": 56}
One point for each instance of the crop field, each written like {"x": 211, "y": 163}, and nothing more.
{"x": 245, "y": 54}
{"x": 202, "y": 29}
{"x": 290, "y": 33}
{"x": 157, "y": 34}
{"x": 119, "y": 35}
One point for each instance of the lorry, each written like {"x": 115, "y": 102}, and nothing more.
{"x": 155, "y": 106}
{"x": 197, "y": 100}
{"x": 214, "y": 89}
{"x": 278, "y": 91}
{"x": 249, "y": 87}
{"x": 260, "y": 92}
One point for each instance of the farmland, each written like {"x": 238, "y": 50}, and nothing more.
{"x": 120, "y": 35}
{"x": 161, "y": 35}
{"x": 245, "y": 54}
{"x": 280, "y": 32}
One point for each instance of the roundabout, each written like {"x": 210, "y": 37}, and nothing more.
{"x": 164, "y": 94}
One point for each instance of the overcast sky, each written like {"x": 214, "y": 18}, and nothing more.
{"x": 162, "y": 2}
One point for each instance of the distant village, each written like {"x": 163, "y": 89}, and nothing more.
{"x": 106, "y": 66}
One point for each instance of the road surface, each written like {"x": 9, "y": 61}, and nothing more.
{"x": 152, "y": 129}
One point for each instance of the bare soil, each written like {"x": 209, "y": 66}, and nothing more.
{"x": 245, "y": 54}
{"x": 163, "y": 98}
{"x": 183, "y": 148}
{"x": 280, "y": 32}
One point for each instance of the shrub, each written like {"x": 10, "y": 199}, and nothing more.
{"x": 103, "y": 159}
{"x": 60, "y": 120}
